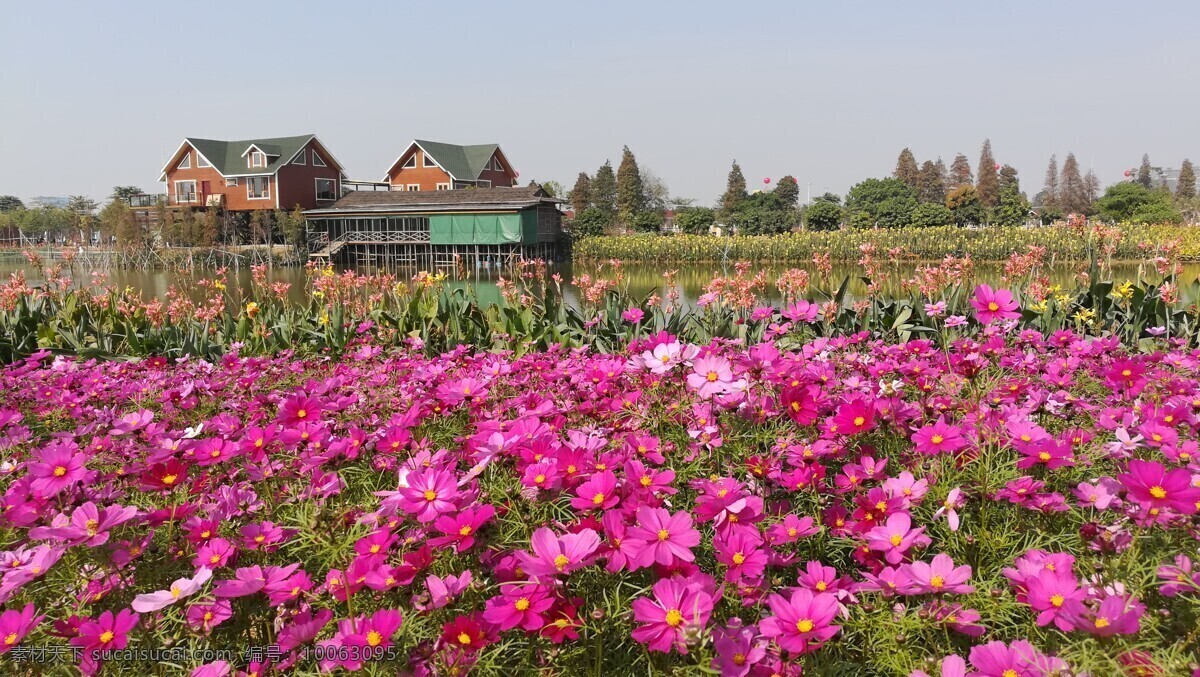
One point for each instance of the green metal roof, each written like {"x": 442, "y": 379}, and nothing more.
{"x": 229, "y": 158}
{"x": 463, "y": 162}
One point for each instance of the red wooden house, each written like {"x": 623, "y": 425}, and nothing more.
{"x": 428, "y": 165}
{"x": 253, "y": 174}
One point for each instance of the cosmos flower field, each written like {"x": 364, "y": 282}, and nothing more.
{"x": 1003, "y": 503}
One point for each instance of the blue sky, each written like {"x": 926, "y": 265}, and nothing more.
{"x": 97, "y": 94}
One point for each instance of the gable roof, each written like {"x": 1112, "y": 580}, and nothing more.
{"x": 229, "y": 157}
{"x": 464, "y": 163}
{"x": 438, "y": 200}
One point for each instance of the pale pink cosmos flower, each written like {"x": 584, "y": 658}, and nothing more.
{"x": 954, "y": 501}
{"x": 711, "y": 376}
{"x": 183, "y": 587}
{"x": 554, "y": 555}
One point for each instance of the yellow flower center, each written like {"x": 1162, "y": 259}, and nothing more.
{"x": 539, "y": 479}
{"x": 561, "y": 562}
{"x": 1044, "y": 456}
{"x": 738, "y": 558}
{"x": 1158, "y": 492}
{"x": 169, "y": 479}
{"x": 430, "y": 494}
{"x": 739, "y": 659}
{"x": 896, "y": 539}
{"x": 937, "y": 582}
{"x": 1102, "y": 622}
{"x": 674, "y": 618}
{"x": 598, "y": 498}
{"x": 646, "y": 481}
{"x": 175, "y": 591}
{"x": 663, "y": 534}
{"x": 106, "y": 637}
{"x": 301, "y": 414}
{"x": 10, "y": 639}
{"x": 1056, "y": 600}
{"x": 60, "y": 471}
{"x": 465, "y": 531}
{"x": 804, "y": 625}
{"x": 859, "y": 420}
{"x": 712, "y": 376}
{"x": 993, "y": 306}
{"x": 822, "y": 585}
{"x": 522, "y": 604}
{"x": 464, "y": 638}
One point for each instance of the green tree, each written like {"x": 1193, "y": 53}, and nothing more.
{"x": 118, "y": 220}
{"x": 1185, "y": 186}
{"x": 1013, "y": 208}
{"x": 581, "y": 193}
{"x": 988, "y": 185}
{"x": 10, "y": 203}
{"x": 647, "y": 222}
{"x": 906, "y": 169}
{"x": 1130, "y": 201}
{"x": 929, "y": 214}
{"x": 552, "y": 188}
{"x": 125, "y": 192}
{"x": 960, "y": 173}
{"x": 1143, "y": 174}
{"x": 629, "y": 188}
{"x": 881, "y": 203}
{"x": 1072, "y": 196}
{"x": 604, "y": 189}
{"x": 763, "y": 214}
{"x": 695, "y": 220}
{"x": 590, "y": 222}
{"x": 735, "y": 191}
{"x": 1050, "y": 187}
{"x": 788, "y": 191}
{"x": 965, "y": 206}
{"x": 930, "y": 184}
{"x": 81, "y": 204}
{"x": 823, "y": 215}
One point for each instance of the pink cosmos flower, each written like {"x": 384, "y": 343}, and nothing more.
{"x": 1178, "y": 578}
{"x": 183, "y": 587}
{"x": 791, "y": 529}
{"x": 738, "y": 650}
{"x": 554, "y": 555}
{"x": 939, "y": 576}
{"x": 106, "y": 632}
{"x": 802, "y": 311}
{"x": 740, "y": 550}
{"x": 665, "y": 619}
{"x": 430, "y": 493}
{"x": 15, "y": 625}
{"x": 299, "y": 409}
{"x": 1153, "y": 487}
{"x": 1048, "y": 452}
{"x": 375, "y": 631}
{"x": 939, "y": 438}
{"x": 895, "y": 537}
{"x": 519, "y": 606}
{"x": 658, "y": 536}
{"x": 855, "y": 415}
{"x": 1100, "y": 494}
{"x": 60, "y": 465}
{"x": 599, "y": 492}
{"x": 246, "y": 581}
{"x": 462, "y": 528}
{"x": 202, "y": 617}
{"x": 1056, "y": 596}
{"x": 443, "y": 590}
{"x": 711, "y": 376}
{"x": 997, "y": 659}
{"x": 1115, "y": 615}
{"x": 994, "y": 304}
{"x": 633, "y": 315}
{"x": 952, "y": 666}
{"x": 801, "y": 623}
{"x": 88, "y": 525}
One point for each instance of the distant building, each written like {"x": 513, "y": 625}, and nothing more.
{"x": 1160, "y": 174}
{"x": 252, "y": 174}
{"x": 436, "y": 228}
{"x": 429, "y": 165}
{"x": 47, "y": 201}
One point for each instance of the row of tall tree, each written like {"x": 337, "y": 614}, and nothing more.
{"x": 631, "y": 198}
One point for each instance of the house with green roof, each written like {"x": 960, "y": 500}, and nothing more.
{"x": 252, "y": 174}
{"x": 430, "y": 165}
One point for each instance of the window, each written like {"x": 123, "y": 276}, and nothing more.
{"x": 185, "y": 191}
{"x": 186, "y": 162}
{"x": 300, "y": 158}
{"x": 317, "y": 161}
{"x": 411, "y": 161}
{"x": 326, "y": 189}
{"x": 443, "y": 186}
{"x": 484, "y": 183}
{"x": 231, "y": 182}
{"x": 258, "y": 159}
{"x": 496, "y": 164}
{"x": 258, "y": 188}
{"x": 201, "y": 161}
{"x": 427, "y": 161}
{"x": 414, "y": 186}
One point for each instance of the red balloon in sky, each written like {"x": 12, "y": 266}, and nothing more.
{"x": 766, "y": 180}
{"x": 1128, "y": 173}
{"x": 997, "y": 165}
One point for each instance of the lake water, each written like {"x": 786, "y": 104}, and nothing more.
{"x": 642, "y": 279}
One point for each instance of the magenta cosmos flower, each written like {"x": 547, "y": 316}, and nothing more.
{"x": 660, "y": 537}
{"x": 939, "y": 438}
{"x": 15, "y": 625}
{"x": 855, "y": 415}
{"x": 676, "y": 607}
{"x": 938, "y": 576}
{"x": 895, "y": 537}
{"x": 553, "y": 555}
{"x": 519, "y": 606}
{"x": 1056, "y": 596}
{"x": 994, "y": 304}
{"x": 430, "y": 493}
{"x": 1020, "y": 659}
{"x": 1153, "y": 487}
{"x": 106, "y": 632}
{"x": 801, "y": 623}
{"x": 59, "y": 466}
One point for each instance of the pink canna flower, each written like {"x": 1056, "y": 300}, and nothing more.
{"x": 183, "y": 587}
{"x": 896, "y": 537}
{"x": 660, "y": 537}
{"x": 801, "y": 623}
{"x": 939, "y": 576}
{"x": 519, "y": 606}
{"x": 60, "y": 465}
{"x": 15, "y": 625}
{"x": 555, "y": 555}
{"x": 994, "y": 304}
{"x": 675, "y": 608}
